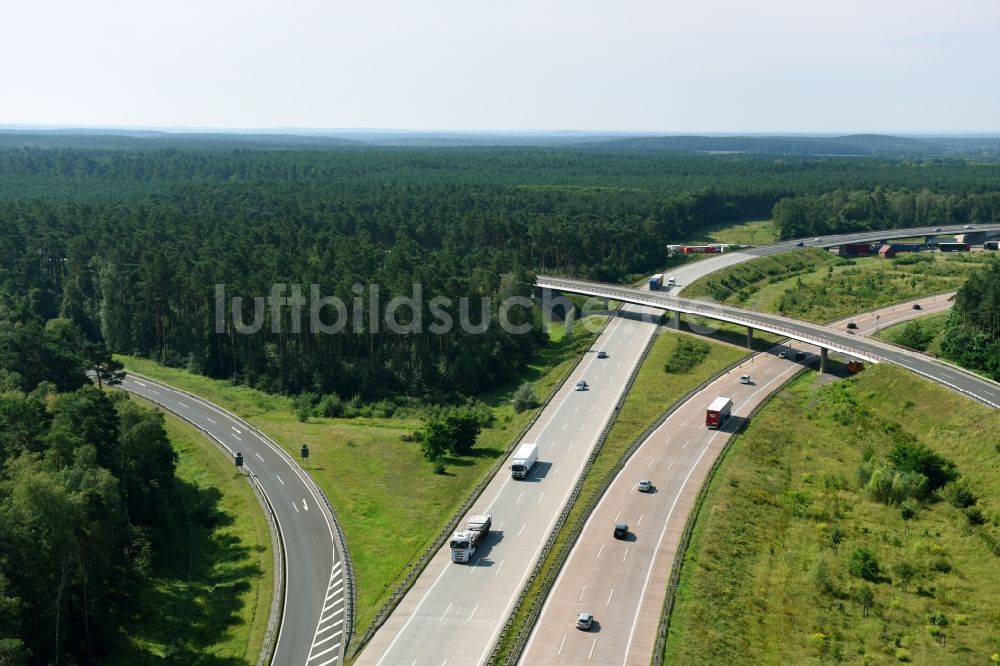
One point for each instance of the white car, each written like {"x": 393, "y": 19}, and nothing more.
{"x": 581, "y": 385}
{"x": 745, "y": 379}
{"x": 644, "y": 486}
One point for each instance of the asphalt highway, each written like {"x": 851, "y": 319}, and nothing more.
{"x": 623, "y": 583}
{"x": 314, "y": 622}
{"x": 313, "y": 627}
{"x": 454, "y": 612}
{"x": 690, "y": 272}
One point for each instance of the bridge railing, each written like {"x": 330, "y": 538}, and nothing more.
{"x": 773, "y": 323}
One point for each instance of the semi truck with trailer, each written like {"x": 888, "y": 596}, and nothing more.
{"x": 524, "y": 459}
{"x": 718, "y": 412}
{"x": 655, "y": 281}
{"x": 464, "y": 543}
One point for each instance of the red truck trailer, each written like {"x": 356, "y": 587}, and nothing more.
{"x": 718, "y": 412}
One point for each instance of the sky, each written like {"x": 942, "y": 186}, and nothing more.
{"x": 626, "y": 65}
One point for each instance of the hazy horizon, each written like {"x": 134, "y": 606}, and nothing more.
{"x": 777, "y": 66}
{"x": 333, "y": 131}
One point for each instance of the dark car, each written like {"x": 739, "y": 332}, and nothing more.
{"x": 621, "y": 530}
{"x": 851, "y": 325}
{"x": 917, "y": 306}
{"x": 602, "y": 354}
{"x": 799, "y": 244}
{"x": 799, "y": 355}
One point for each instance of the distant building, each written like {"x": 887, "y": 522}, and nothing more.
{"x": 856, "y": 250}
{"x": 887, "y": 252}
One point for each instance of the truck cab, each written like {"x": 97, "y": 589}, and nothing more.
{"x": 464, "y": 543}
{"x": 524, "y": 459}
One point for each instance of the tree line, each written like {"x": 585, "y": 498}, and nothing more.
{"x": 129, "y": 244}
{"x": 881, "y": 208}
{"x": 84, "y": 479}
{"x": 972, "y": 331}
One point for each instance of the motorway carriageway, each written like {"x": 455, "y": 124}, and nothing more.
{"x": 313, "y": 629}
{"x": 454, "y": 612}
{"x": 624, "y": 582}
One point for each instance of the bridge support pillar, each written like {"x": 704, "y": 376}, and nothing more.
{"x": 822, "y": 359}
{"x": 749, "y": 337}
{"x": 675, "y": 320}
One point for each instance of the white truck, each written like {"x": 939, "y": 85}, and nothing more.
{"x": 671, "y": 282}
{"x": 524, "y": 459}
{"x": 464, "y": 542}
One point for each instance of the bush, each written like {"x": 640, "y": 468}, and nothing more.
{"x": 889, "y": 485}
{"x": 863, "y": 564}
{"x": 688, "y": 353}
{"x": 331, "y": 406}
{"x": 958, "y": 494}
{"x": 902, "y": 654}
{"x": 910, "y": 456}
{"x": 908, "y": 509}
{"x": 975, "y": 516}
{"x": 383, "y": 409}
{"x": 915, "y": 336}
{"x": 525, "y": 397}
{"x": 304, "y": 405}
{"x": 941, "y": 565}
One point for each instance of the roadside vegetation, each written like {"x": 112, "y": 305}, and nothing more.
{"x": 972, "y": 334}
{"x": 757, "y": 232}
{"x": 923, "y": 334}
{"x": 855, "y": 521}
{"x": 371, "y": 465}
{"x": 654, "y": 390}
{"x": 741, "y": 282}
{"x": 818, "y": 286}
{"x": 114, "y": 545}
{"x": 210, "y": 587}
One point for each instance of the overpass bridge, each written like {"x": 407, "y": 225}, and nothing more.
{"x": 824, "y": 337}
{"x": 871, "y": 236}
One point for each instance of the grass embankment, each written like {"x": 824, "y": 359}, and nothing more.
{"x": 757, "y": 232}
{"x": 764, "y": 579}
{"x": 375, "y": 480}
{"x": 924, "y": 333}
{"x": 653, "y": 391}
{"x": 741, "y": 282}
{"x": 818, "y": 286}
{"x": 211, "y": 585}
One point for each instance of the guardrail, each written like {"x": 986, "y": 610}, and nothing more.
{"x": 792, "y": 329}
{"x": 274, "y": 527}
{"x": 576, "y": 530}
{"x": 278, "y": 546}
{"x": 466, "y": 506}
{"x": 682, "y": 544}
{"x": 347, "y": 565}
